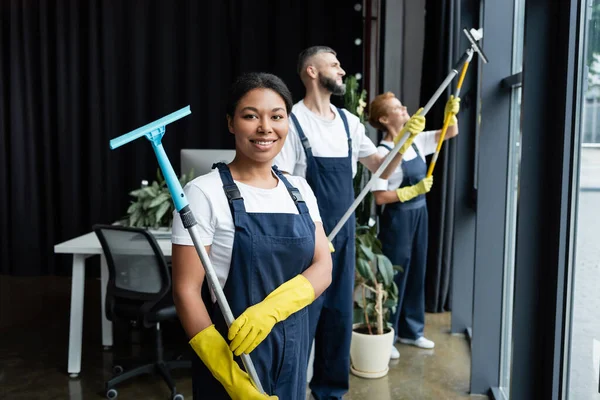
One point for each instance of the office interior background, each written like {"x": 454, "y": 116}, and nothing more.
{"x": 513, "y": 273}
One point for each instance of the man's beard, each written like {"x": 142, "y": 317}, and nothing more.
{"x": 332, "y": 86}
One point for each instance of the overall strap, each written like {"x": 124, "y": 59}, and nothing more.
{"x": 294, "y": 192}
{"x": 416, "y": 149}
{"x": 347, "y": 127}
{"x": 414, "y": 146}
{"x": 385, "y": 146}
{"x": 236, "y": 202}
{"x": 301, "y": 135}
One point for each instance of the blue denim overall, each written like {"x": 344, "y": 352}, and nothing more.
{"x": 403, "y": 236}
{"x": 331, "y": 314}
{"x": 268, "y": 250}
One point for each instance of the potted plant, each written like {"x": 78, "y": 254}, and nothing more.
{"x": 153, "y": 207}
{"x": 375, "y": 298}
{"x": 375, "y": 292}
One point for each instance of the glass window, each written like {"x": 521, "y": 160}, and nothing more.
{"x": 511, "y": 204}
{"x": 584, "y": 337}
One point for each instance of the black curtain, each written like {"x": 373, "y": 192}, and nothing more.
{"x": 437, "y": 64}
{"x": 74, "y": 74}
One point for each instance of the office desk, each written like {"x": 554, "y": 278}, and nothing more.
{"x": 83, "y": 247}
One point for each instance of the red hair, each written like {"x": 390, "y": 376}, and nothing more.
{"x": 378, "y": 108}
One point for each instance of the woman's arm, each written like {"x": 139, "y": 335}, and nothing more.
{"x": 451, "y": 132}
{"x": 374, "y": 161}
{"x": 253, "y": 326}
{"x": 319, "y": 273}
{"x": 207, "y": 342}
{"x": 188, "y": 276}
{"x": 385, "y": 197}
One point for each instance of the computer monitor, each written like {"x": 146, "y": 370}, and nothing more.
{"x": 202, "y": 160}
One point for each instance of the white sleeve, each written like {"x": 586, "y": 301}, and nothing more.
{"x": 426, "y": 142}
{"x": 366, "y": 146}
{"x": 289, "y": 156}
{"x": 380, "y": 184}
{"x": 205, "y": 217}
{"x": 309, "y": 197}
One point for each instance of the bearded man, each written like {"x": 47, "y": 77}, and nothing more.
{"x": 324, "y": 145}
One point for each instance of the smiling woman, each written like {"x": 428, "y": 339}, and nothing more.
{"x": 260, "y": 124}
{"x": 264, "y": 236}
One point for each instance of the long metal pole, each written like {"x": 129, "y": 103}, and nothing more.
{"x": 392, "y": 154}
{"x": 449, "y": 116}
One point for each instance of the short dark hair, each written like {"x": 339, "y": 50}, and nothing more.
{"x": 257, "y": 80}
{"x": 308, "y": 53}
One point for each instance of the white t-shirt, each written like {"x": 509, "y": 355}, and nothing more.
{"x": 425, "y": 142}
{"x": 210, "y": 206}
{"x": 327, "y": 138}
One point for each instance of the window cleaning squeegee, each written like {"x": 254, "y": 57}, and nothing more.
{"x": 473, "y": 36}
{"x": 154, "y": 132}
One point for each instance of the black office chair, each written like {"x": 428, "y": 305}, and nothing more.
{"x": 138, "y": 290}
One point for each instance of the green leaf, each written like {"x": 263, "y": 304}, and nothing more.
{"x": 146, "y": 203}
{"x": 135, "y": 193}
{"x": 162, "y": 210}
{"x": 389, "y": 303}
{"x": 364, "y": 269}
{"x": 150, "y": 191}
{"x": 150, "y": 220}
{"x": 376, "y": 245}
{"x": 390, "y": 311}
{"x": 135, "y": 217}
{"x": 159, "y": 200}
{"x": 358, "y": 316}
{"x": 363, "y": 240}
{"x": 393, "y": 290}
{"x": 372, "y": 280}
{"x": 386, "y": 269}
{"x": 367, "y": 252}
{"x": 133, "y": 207}
{"x": 358, "y": 296}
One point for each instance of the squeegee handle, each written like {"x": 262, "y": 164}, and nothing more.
{"x": 449, "y": 117}
{"x": 179, "y": 198}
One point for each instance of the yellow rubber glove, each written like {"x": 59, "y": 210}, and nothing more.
{"x": 410, "y": 192}
{"x": 253, "y": 326}
{"x": 452, "y": 106}
{"x": 212, "y": 349}
{"x": 414, "y": 126}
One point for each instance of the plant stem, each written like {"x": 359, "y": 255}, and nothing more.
{"x": 365, "y": 309}
{"x": 379, "y": 308}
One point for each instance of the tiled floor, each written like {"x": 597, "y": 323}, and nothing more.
{"x": 34, "y": 316}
